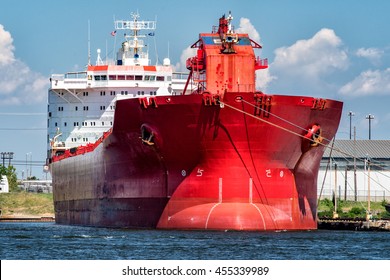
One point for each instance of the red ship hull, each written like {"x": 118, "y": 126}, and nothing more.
{"x": 186, "y": 163}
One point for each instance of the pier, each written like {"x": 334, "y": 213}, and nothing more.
{"x": 25, "y": 219}
{"x": 354, "y": 224}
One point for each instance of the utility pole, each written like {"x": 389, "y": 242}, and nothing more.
{"x": 354, "y": 162}
{"x": 350, "y": 114}
{"x": 368, "y": 216}
{"x": 335, "y": 215}
{"x": 27, "y": 171}
{"x": 10, "y": 156}
{"x": 369, "y": 117}
{"x": 7, "y": 155}
{"x": 346, "y": 182}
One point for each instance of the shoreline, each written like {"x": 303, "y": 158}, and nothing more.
{"x": 354, "y": 224}
{"x": 27, "y": 218}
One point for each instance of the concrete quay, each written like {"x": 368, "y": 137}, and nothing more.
{"x": 354, "y": 224}
{"x": 25, "y": 219}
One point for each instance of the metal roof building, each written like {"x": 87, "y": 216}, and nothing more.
{"x": 338, "y": 165}
{"x": 375, "y": 149}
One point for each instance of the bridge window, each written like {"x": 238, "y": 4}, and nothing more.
{"x": 149, "y": 78}
{"x": 100, "y": 78}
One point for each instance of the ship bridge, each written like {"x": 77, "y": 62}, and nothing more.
{"x": 225, "y": 60}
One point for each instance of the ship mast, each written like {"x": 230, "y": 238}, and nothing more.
{"x": 132, "y": 52}
{"x": 227, "y": 35}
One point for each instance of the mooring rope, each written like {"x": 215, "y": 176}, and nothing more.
{"x": 289, "y": 130}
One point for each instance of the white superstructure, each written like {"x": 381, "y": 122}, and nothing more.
{"x": 81, "y": 105}
{"x": 4, "y": 187}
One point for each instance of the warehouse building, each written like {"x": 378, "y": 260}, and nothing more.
{"x": 368, "y": 159}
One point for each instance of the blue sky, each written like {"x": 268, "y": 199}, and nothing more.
{"x": 330, "y": 49}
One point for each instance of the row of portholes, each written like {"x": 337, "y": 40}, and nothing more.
{"x": 85, "y": 108}
{"x": 85, "y": 124}
{"x": 138, "y": 93}
{"x": 85, "y": 139}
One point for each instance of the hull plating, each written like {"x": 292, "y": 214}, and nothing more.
{"x": 186, "y": 165}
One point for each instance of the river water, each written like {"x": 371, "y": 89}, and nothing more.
{"x": 49, "y": 241}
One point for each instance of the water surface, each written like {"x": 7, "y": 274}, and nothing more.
{"x": 27, "y": 241}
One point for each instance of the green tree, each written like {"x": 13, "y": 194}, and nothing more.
{"x": 10, "y": 172}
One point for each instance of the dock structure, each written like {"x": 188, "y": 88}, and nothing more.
{"x": 25, "y": 219}
{"x": 354, "y": 224}
{"x": 349, "y": 161}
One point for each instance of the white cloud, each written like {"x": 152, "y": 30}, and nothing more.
{"x": 18, "y": 83}
{"x": 6, "y": 47}
{"x": 263, "y": 79}
{"x": 247, "y": 27}
{"x": 186, "y": 53}
{"x": 372, "y": 54}
{"x": 312, "y": 58}
{"x": 368, "y": 83}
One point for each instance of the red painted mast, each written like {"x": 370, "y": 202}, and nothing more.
{"x": 225, "y": 61}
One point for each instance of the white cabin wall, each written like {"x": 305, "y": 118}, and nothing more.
{"x": 379, "y": 184}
